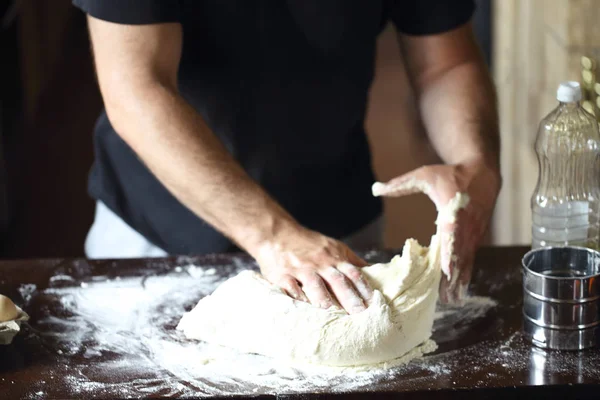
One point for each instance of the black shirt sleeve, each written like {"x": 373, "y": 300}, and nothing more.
{"x": 426, "y": 17}
{"x": 132, "y": 12}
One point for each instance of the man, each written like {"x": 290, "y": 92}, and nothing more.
{"x": 232, "y": 122}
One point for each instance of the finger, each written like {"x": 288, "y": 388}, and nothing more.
{"x": 343, "y": 290}
{"x": 291, "y": 287}
{"x": 355, "y": 260}
{"x": 466, "y": 269}
{"x": 455, "y": 291}
{"x": 315, "y": 289}
{"x": 358, "y": 280}
{"x": 410, "y": 183}
{"x": 449, "y": 217}
{"x": 447, "y": 250}
{"x": 456, "y": 294}
{"x": 445, "y": 294}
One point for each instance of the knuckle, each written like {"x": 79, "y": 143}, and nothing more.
{"x": 307, "y": 266}
{"x": 355, "y": 276}
{"x": 352, "y": 272}
{"x": 312, "y": 279}
{"x": 323, "y": 253}
{"x": 331, "y": 274}
{"x": 338, "y": 278}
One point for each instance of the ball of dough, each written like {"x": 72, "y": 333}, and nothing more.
{"x": 8, "y": 310}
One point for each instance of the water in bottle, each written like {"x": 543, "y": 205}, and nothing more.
{"x": 566, "y": 201}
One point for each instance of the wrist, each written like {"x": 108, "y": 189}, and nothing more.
{"x": 491, "y": 170}
{"x": 482, "y": 173}
{"x": 484, "y": 164}
{"x": 268, "y": 231}
{"x": 477, "y": 156}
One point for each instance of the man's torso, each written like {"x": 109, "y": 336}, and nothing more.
{"x": 284, "y": 85}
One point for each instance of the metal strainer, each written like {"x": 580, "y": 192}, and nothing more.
{"x": 561, "y": 297}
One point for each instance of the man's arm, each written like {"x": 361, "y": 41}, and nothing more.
{"x": 457, "y": 102}
{"x": 137, "y": 73}
{"x": 455, "y": 95}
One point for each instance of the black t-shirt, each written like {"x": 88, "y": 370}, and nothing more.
{"x": 284, "y": 85}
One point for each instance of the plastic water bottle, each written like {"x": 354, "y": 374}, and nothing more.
{"x": 566, "y": 201}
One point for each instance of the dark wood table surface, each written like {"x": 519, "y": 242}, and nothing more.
{"x": 489, "y": 359}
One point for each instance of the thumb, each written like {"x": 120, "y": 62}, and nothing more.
{"x": 416, "y": 181}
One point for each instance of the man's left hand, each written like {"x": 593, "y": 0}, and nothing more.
{"x": 441, "y": 183}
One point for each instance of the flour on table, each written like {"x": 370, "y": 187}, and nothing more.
{"x": 249, "y": 314}
{"x": 116, "y": 338}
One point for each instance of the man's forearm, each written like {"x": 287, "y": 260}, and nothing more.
{"x": 175, "y": 143}
{"x": 459, "y": 112}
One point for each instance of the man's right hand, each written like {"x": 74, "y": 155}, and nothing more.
{"x": 312, "y": 267}
{"x": 137, "y": 68}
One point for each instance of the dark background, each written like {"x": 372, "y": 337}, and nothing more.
{"x": 48, "y": 105}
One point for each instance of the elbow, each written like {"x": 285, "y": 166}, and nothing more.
{"x": 128, "y": 107}
{"x": 121, "y": 103}
{"x": 117, "y": 118}
{"x": 132, "y": 106}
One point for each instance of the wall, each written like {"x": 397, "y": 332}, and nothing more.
{"x": 53, "y": 150}
{"x": 537, "y": 44}
{"x": 399, "y": 144}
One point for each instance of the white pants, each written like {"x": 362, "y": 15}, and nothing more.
{"x": 111, "y": 237}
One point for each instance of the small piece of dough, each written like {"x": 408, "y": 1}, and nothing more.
{"x": 8, "y": 310}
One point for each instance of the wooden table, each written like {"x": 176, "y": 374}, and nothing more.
{"x": 489, "y": 359}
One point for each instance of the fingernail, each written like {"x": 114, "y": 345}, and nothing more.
{"x": 325, "y": 305}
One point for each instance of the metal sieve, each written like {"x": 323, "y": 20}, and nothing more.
{"x": 561, "y": 297}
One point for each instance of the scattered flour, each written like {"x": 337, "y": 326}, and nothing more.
{"x": 122, "y": 331}
{"x": 472, "y": 307}
{"x": 134, "y": 320}
{"x": 27, "y": 290}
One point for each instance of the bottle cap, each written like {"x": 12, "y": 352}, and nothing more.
{"x": 568, "y": 92}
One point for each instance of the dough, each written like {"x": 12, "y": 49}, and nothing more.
{"x": 251, "y": 315}
{"x": 8, "y": 310}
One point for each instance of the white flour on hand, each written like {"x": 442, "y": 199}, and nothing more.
{"x": 446, "y": 215}
{"x": 249, "y": 314}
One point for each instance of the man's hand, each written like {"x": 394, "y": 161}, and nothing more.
{"x": 312, "y": 267}
{"x": 137, "y": 69}
{"x": 460, "y": 238}
{"x": 457, "y": 103}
